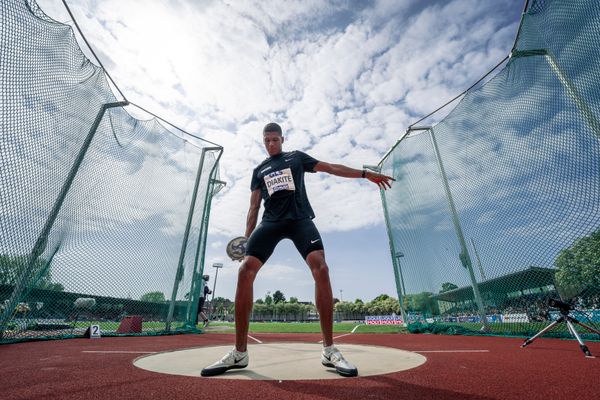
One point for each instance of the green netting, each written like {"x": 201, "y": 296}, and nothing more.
{"x": 103, "y": 217}
{"x": 496, "y": 208}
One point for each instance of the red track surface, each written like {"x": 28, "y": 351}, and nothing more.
{"x": 546, "y": 369}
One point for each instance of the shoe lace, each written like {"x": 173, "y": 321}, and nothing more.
{"x": 228, "y": 358}
{"x": 336, "y": 356}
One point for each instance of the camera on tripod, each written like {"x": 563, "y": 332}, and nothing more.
{"x": 561, "y": 305}
{"x": 565, "y": 308}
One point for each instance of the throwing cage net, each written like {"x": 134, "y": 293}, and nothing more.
{"x": 103, "y": 217}
{"x": 496, "y": 208}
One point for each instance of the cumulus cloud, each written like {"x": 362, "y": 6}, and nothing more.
{"x": 345, "y": 79}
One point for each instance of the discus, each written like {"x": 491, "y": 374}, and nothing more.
{"x": 236, "y": 248}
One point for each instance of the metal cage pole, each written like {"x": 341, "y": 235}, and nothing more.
{"x": 42, "y": 240}
{"x": 392, "y": 249}
{"x": 200, "y": 255}
{"x": 465, "y": 259}
{"x": 196, "y": 289}
{"x": 194, "y": 293}
{"x": 581, "y": 105}
{"x": 179, "y": 273}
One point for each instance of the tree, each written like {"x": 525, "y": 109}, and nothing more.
{"x": 268, "y": 300}
{"x": 280, "y": 310}
{"x": 260, "y": 310}
{"x": 278, "y": 297}
{"x": 374, "y": 308}
{"x": 391, "y": 306}
{"x": 153, "y": 297}
{"x": 221, "y": 302}
{"x": 381, "y": 297}
{"x": 343, "y": 307}
{"x": 425, "y": 303}
{"x": 40, "y": 277}
{"x": 578, "y": 266}
{"x": 447, "y": 286}
{"x": 358, "y": 307}
{"x": 220, "y": 306}
{"x": 293, "y": 300}
{"x": 382, "y": 304}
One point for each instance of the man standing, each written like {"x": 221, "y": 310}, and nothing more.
{"x": 204, "y": 293}
{"x": 279, "y": 181}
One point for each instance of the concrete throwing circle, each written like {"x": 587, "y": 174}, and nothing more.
{"x": 282, "y": 361}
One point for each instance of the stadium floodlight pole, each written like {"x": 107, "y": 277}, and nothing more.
{"x": 42, "y": 240}
{"x": 392, "y": 250}
{"x": 217, "y": 266}
{"x": 186, "y": 234}
{"x": 465, "y": 259}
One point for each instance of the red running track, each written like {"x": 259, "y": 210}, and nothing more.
{"x": 64, "y": 369}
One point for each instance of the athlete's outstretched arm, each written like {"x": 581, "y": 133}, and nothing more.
{"x": 383, "y": 181}
{"x": 253, "y": 212}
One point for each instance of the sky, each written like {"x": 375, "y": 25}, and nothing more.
{"x": 343, "y": 78}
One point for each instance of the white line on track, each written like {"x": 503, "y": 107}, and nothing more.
{"x": 118, "y": 352}
{"x": 346, "y": 334}
{"x": 451, "y": 351}
{"x": 255, "y": 339}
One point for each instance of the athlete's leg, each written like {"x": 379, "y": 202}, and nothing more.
{"x": 243, "y": 300}
{"x": 308, "y": 241}
{"x": 259, "y": 248}
{"x": 238, "y": 357}
{"x": 323, "y": 293}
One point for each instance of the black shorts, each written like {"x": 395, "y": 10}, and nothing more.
{"x": 265, "y": 237}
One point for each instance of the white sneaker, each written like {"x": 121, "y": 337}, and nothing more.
{"x": 233, "y": 359}
{"x": 331, "y": 357}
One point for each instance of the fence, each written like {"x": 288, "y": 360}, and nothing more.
{"x": 496, "y": 208}
{"x": 102, "y": 215}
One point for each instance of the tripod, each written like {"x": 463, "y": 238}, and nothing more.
{"x": 565, "y": 317}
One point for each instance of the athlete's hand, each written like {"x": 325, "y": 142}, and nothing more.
{"x": 383, "y": 181}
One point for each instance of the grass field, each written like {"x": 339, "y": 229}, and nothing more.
{"x": 112, "y": 326}
{"x": 519, "y": 330}
{"x": 314, "y": 327}
{"x": 264, "y": 327}
{"x": 308, "y": 327}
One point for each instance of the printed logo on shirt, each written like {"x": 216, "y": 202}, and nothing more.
{"x": 280, "y": 180}
{"x": 265, "y": 169}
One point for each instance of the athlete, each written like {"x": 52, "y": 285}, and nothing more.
{"x": 279, "y": 181}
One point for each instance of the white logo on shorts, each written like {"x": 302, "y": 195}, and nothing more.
{"x": 314, "y": 241}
